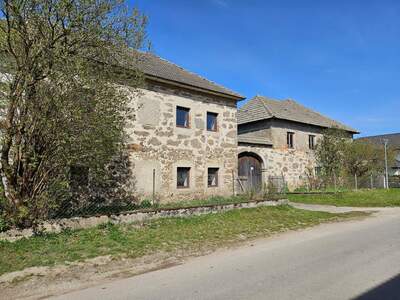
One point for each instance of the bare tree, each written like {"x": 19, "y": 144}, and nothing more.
{"x": 61, "y": 104}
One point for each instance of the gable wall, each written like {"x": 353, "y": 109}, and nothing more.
{"x": 156, "y": 143}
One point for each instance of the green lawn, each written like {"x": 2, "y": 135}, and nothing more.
{"x": 361, "y": 198}
{"x": 169, "y": 235}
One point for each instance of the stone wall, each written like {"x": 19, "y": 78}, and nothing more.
{"x": 293, "y": 164}
{"x": 279, "y": 129}
{"x": 156, "y": 143}
{"x": 132, "y": 217}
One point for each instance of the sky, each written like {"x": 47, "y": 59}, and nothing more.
{"x": 340, "y": 58}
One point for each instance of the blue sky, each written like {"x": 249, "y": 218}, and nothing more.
{"x": 341, "y": 58}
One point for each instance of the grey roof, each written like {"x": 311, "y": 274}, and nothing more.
{"x": 393, "y": 139}
{"x": 254, "y": 140}
{"x": 262, "y": 108}
{"x": 157, "y": 67}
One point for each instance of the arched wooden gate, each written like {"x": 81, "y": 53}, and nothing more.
{"x": 250, "y": 171}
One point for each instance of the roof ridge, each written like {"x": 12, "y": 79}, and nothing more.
{"x": 380, "y": 135}
{"x": 269, "y": 110}
{"x": 244, "y": 108}
{"x": 291, "y": 110}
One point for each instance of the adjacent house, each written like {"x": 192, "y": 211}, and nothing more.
{"x": 393, "y": 142}
{"x": 277, "y": 139}
{"x": 183, "y": 142}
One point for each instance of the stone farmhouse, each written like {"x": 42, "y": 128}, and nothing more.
{"x": 184, "y": 139}
{"x": 188, "y": 141}
{"x": 277, "y": 139}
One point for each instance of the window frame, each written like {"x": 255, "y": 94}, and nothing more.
{"x": 317, "y": 171}
{"x": 188, "y": 169}
{"x": 79, "y": 176}
{"x": 216, "y": 121}
{"x": 187, "y": 119}
{"x": 216, "y": 177}
{"x": 311, "y": 141}
{"x": 290, "y": 139}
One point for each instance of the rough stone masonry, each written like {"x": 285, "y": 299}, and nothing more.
{"x": 156, "y": 143}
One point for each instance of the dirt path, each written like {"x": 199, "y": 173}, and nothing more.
{"x": 343, "y": 209}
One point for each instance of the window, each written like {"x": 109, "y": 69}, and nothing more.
{"x": 311, "y": 142}
{"x": 79, "y": 177}
{"x": 212, "y": 121}
{"x": 182, "y": 117}
{"x": 318, "y": 171}
{"x": 183, "y": 177}
{"x": 213, "y": 177}
{"x": 290, "y": 140}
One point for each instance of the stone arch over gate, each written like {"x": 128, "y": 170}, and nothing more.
{"x": 250, "y": 171}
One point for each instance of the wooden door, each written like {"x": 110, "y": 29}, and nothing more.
{"x": 250, "y": 169}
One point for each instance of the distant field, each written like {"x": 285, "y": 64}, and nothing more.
{"x": 361, "y": 198}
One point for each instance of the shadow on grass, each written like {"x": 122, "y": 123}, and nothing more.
{"x": 386, "y": 291}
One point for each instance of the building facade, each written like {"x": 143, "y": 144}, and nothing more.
{"x": 277, "y": 140}
{"x": 183, "y": 142}
{"x": 188, "y": 140}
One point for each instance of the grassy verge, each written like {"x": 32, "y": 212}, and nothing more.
{"x": 168, "y": 235}
{"x": 361, "y": 198}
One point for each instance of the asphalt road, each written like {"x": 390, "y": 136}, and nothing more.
{"x": 352, "y": 260}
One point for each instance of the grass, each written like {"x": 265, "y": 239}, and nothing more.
{"x": 167, "y": 235}
{"x": 361, "y": 198}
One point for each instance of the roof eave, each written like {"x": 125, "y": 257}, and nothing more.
{"x": 255, "y": 143}
{"x": 273, "y": 117}
{"x": 234, "y": 97}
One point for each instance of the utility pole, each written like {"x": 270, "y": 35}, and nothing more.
{"x": 386, "y": 164}
{"x": 154, "y": 186}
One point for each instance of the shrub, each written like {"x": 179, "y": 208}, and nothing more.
{"x": 146, "y": 203}
{"x": 3, "y": 224}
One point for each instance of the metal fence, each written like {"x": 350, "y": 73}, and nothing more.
{"x": 372, "y": 181}
{"x": 279, "y": 184}
{"x": 91, "y": 204}
{"x": 272, "y": 185}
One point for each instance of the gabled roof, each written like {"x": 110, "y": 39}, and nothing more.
{"x": 393, "y": 139}
{"x": 263, "y": 108}
{"x": 156, "y": 67}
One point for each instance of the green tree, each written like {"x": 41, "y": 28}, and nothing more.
{"x": 60, "y": 101}
{"x": 363, "y": 157}
{"x": 359, "y": 158}
{"x": 330, "y": 153}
